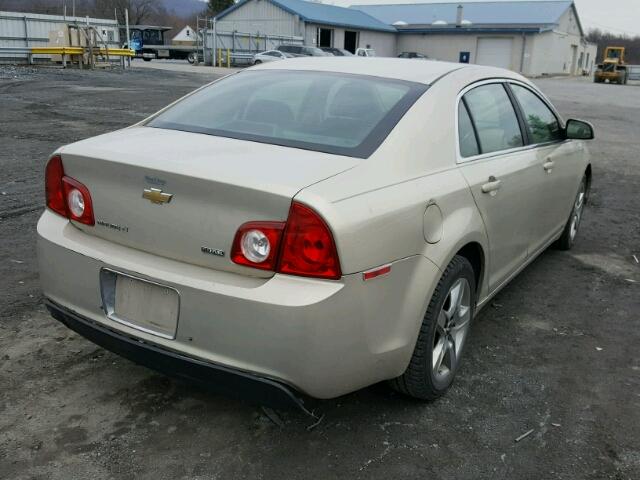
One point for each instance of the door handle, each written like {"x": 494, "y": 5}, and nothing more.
{"x": 492, "y": 186}
{"x": 548, "y": 165}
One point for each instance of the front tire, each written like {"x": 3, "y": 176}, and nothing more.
{"x": 191, "y": 58}
{"x": 438, "y": 350}
{"x": 257, "y": 62}
{"x": 568, "y": 237}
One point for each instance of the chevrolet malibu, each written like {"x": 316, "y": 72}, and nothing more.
{"x": 309, "y": 227}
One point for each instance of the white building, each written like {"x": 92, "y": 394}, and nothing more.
{"x": 186, "y": 36}
{"x": 532, "y": 37}
{"x": 317, "y": 24}
{"x": 538, "y": 37}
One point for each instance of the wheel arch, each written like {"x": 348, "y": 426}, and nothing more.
{"x": 475, "y": 254}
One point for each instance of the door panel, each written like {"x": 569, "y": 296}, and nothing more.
{"x": 506, "y": 207}
{"x": 503, "y": 184}
{"x": 557, "y": 164}
{"x": 559, "y": 173}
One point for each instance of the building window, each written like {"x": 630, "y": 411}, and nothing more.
{"x": 324, "y": 37}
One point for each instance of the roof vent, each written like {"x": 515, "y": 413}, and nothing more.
{"x": 439, "y": 23}
{"x": 400, "y": 23}
{"x": 466, "y": 23}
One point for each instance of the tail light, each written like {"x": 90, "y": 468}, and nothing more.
{"x": 257, "y": 244}
{"x": 54, "y": 192}
{"x": 65, "y": 195}
{"x": 303, "y": 246}
{"x": 308, "y": 248}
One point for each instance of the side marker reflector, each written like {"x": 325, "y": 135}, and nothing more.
{"x": 376, "y": 272}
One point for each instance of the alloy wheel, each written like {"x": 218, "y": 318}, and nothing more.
{"x": 578, "y": 207}
{"x": 451, "y": 331}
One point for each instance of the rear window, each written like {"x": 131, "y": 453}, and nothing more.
{"x": 326, "y": 112}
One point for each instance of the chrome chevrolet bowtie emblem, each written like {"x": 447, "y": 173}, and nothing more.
{"x": 155, "y": 195}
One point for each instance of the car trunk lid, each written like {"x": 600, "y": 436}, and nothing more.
{"x": 183, "y": 195}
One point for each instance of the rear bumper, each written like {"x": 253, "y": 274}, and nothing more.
{"x": 216, "y": 378}
{"x": 322, "y": 338}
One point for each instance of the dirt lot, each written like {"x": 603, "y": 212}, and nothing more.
{"x": 558, "y": 351}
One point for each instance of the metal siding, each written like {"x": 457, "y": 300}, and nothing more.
{"x": 448, "y": 47}
{"x": 260, "y": 16}
{"x": 12, "y": 30}
{"x": 383, "y": 43}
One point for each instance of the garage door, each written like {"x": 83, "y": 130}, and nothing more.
{"x": 495, "y": 52}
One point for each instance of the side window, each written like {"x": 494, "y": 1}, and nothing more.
{"x": 466, "y": 134}
{"x": 495, "y": 119}
{"x": 543, "y": 124}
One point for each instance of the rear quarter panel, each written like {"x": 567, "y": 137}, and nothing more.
{"x": 376, "y": 210}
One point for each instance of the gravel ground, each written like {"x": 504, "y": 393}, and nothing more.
{"x": 556, "y": 352}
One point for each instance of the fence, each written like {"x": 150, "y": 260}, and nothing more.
{"x": 634, "y": 72}
{"x": 241, "y": 45}
{"x": 33, "y": 30}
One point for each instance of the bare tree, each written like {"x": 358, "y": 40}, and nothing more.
{"x": 140, "y": 11}
{"x": 608, "y": 39}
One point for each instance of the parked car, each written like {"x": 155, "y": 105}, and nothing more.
{"x": 413, "y": 55}
{"x": 365, "y": 52}
{"x": 311, "y": 231}
{"x": 302, "y": 51}
{"x": 270, "y": 56}
{"x": 337, "y": 52}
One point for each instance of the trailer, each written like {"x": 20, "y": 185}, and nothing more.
{"x": 149, "y": 42}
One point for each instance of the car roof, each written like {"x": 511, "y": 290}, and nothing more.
{"x": 394, "y": 68}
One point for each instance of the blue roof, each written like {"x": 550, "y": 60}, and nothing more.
{"x": 505, "y": 13}
{"x": 320, "y": 13}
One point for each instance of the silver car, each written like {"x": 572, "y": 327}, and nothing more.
{"x": 309, "y": 228}
{"x": 270, "y": 56}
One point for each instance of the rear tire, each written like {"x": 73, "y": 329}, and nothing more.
{"x": 570, "y": 232}
{"x": 191, "y": 58}
{"x": 438, "y": 350}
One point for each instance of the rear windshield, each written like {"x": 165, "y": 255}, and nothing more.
{"x": 326, "y": 112}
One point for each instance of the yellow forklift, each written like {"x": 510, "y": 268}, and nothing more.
{"x": 613, "y": 67}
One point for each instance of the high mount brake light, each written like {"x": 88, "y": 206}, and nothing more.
{"x": 302, "y": 246}
{"x": 65, "y": 195}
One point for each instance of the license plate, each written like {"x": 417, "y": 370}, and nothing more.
{"x": 144, "y": 305}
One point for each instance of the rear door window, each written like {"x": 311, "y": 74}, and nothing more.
{"x": 494, "y": 117}
{"x": 466, "y": 133}
{"x": 541, "y": 121}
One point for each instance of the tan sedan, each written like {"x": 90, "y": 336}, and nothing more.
{"x": 311, "y": 226}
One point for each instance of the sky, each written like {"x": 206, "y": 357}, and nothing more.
{"x": 616, "y": 16}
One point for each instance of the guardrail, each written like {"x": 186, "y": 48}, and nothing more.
{"x": 73, "y": 54}
{"x": 116, "y": 52}
{"x": 634, "y": 72}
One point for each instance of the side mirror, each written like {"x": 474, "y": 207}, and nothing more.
{"x": 579, "y": 130}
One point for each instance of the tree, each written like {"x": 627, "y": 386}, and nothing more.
{"x": 139, "y": 10}
{"x": 608, "y": 39}
{"x": 217, "y": 6}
